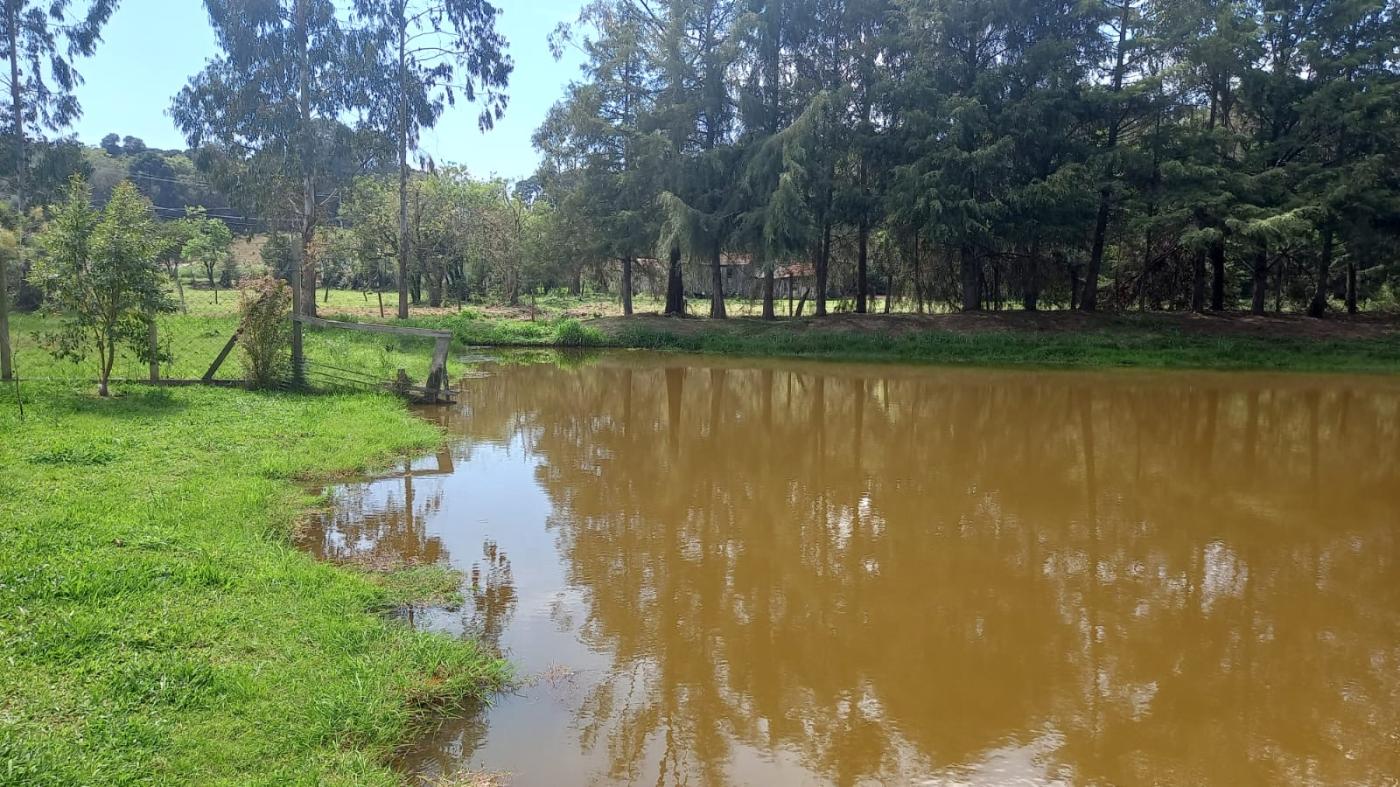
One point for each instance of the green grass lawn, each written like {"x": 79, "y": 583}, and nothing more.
{"x": 155, "y": 624}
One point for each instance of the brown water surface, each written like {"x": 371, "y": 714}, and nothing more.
{"x": 772, "y": 573}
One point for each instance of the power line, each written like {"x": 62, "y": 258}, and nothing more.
{"x": 182, "y": 182}
{"x": 204, "y": 183}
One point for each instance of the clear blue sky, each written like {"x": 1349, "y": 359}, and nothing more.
{"x": 151, "y": 47}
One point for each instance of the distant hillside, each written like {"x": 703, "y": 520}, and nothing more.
{"x": 168, "y": 177}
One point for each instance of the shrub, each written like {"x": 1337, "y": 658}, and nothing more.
{"x": 101, "y": 277}
{"x": 265, "y": 306}
{"x": 573, "y": 334}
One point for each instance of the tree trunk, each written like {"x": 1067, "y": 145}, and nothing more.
{"x": 971, "y": 280}
{"x": 1351, "y": 285}
{"x": 627, "y": 286}
{"x": 435, "y": 288}
{"x": 21, "y": 177}
{"x": 1318, "y": 307}
{"x": 106, "y": 357}
{"x": 675, "y": 287}
{"x": 1031, "y": 297}
{"x": 405, "y": 240}
{"x": 1261, "y": 282}
{"x": 769, "y": 283}
{"x": 823, "y": 267}
{"x": 308, "y": 176}
{"x": 716, "y": 286}
{"x": 996, "y": 285}
{"x": 1198, "y": 282}
{"x": 6, "y": 369}
{"x": 1217, "y": 279}
{"x": 918, "y": 276}
{"x": 1089, "y": 300}
{"x": 862, "y": 266}
{"x": 179, "y": 288}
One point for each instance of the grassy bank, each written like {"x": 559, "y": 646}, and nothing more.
{"x": 1062, "y": 341}
{"x": 1369, "y": 343}
{"x": 1054, "y": 340}
{"x": 155, "y": 625}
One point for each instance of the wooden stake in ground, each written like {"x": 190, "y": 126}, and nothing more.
{"x": 6, "y": 370}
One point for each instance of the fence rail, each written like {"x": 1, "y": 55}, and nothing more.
{"x": 434, "y": 389}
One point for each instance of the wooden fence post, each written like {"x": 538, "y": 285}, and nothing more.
{"x": 6, "y": 370}
{"x": 437, "y": 372}
{"x": 155, "y": 352}
{"x": 298, "y": 359}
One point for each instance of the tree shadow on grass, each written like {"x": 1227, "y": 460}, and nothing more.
{"x": 126, "y": 401}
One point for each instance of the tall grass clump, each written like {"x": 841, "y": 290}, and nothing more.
{"x": 572, "y": 333}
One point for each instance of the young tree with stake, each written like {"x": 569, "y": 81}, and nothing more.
{"x": 102, "y": 277}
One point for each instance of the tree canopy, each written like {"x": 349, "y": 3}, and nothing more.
{"x": 1120, "y": 153}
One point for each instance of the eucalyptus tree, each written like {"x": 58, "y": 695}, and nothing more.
{"x": 42, "y": 39}
{"x": 427, "y": 53}
{"x": 272, "y": 97}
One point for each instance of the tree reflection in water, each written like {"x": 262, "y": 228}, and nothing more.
{"x": 860, "y": 574}
{"x": 491, "y": 595}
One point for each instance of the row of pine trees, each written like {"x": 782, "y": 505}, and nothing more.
{"x": 974, "y": 154}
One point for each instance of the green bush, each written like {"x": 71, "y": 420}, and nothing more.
{"x": 265, "y": 307}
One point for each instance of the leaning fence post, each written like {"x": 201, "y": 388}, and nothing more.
{"x": 155, "y": 352}
{"x": 219, "y": 359}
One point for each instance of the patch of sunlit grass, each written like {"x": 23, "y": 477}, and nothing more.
{"x": 155, "y": 624}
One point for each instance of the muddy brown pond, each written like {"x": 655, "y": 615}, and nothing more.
{"x": 746, "y": 572}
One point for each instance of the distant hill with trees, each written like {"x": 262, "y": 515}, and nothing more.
{"x": 168, "y": 178}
